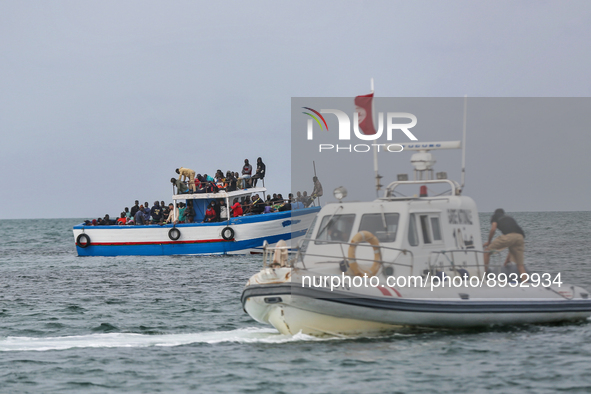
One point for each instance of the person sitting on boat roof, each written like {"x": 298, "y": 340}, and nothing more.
{"x": 127, "y": 213}
{"x": 231, "y": 181}
{"x": 236, "y": 208}
{"x": 210, "y": 215}
{"x": 139, "y": 216}
{"x": 246, "y": 174}
{"x": 107, "y": 221}
{"x": 239, "y": 181}
{"x": 181, "y": 188}
{"x": 260, "y": 173}
{"x": 187, "y": 173}
{"x": 200, "y": 184}
{"x": 209, "y": 184}
{"x": 220, "y": 180}
{"x": 512, "y": 238}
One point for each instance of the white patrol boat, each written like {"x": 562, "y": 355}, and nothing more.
{"x": 401, "y": 261}
{"x": 236, "y": 235}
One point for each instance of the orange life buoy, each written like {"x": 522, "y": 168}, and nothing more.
{"x": 364, "y": 236}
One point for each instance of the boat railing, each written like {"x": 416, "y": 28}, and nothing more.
{"x": 343, "y": 257}
{"x": 276, "y": 256}
{"x": 446, "y": 260}
{"x": 455, "y": 189}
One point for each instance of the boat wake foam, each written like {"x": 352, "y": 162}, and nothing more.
{"x": 129, "y": 340}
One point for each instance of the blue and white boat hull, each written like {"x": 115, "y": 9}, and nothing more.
{"x": 249, "y": 233}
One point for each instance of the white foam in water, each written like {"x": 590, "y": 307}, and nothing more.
{"x": 114, "y": 340}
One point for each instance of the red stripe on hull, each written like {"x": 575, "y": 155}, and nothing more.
{"x": 384, "y": 291}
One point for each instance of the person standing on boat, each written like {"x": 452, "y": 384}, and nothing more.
{"x": 156, "y": 212}
{"x": 147, "y": 212}
{"x": 135, "y": 208}
{"x": 185, "y": 173}
{"x": 512, "y": 238}
{"x": 139, "y": 216}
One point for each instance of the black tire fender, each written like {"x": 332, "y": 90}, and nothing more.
{"x": 174, "y": 233}
{"x": 228, "y": 233}
{"x": 83, "y": 240}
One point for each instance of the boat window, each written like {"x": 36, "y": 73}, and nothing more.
{"x": 335, "y": 229}
{"x": 436, "y": 228}
{"x": 425, "y": 229}
{"x": 374, "y": 223}
{"x": 413, "y": 238}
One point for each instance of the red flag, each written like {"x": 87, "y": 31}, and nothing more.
{"x": 363, "y": 108}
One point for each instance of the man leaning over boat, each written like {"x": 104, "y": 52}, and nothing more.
{"x": 512, "y": 238}
{"x": 187, "y": 173}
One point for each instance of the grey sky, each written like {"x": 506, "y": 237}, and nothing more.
{"x": 101, "y": 101}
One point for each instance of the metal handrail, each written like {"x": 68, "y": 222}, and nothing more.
{"x": 299, "y": 258}
{"x": 392, "y": 186}
{"x": 452, "y": 265}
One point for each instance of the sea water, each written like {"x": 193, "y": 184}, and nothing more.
{"x": 175, "y": 324}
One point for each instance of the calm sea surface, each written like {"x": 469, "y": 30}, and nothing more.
{"x": 175, "y": 324}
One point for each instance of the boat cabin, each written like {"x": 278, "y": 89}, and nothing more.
{"x": 201, "y": 201}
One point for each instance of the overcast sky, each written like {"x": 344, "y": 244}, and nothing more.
{"x": 101, "y": 100}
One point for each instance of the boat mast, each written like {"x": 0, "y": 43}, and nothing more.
{"x": 464, "y": 142}
{"x": 375, "y": 150}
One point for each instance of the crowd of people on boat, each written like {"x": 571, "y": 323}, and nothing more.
{"x": 190, "y": 182}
